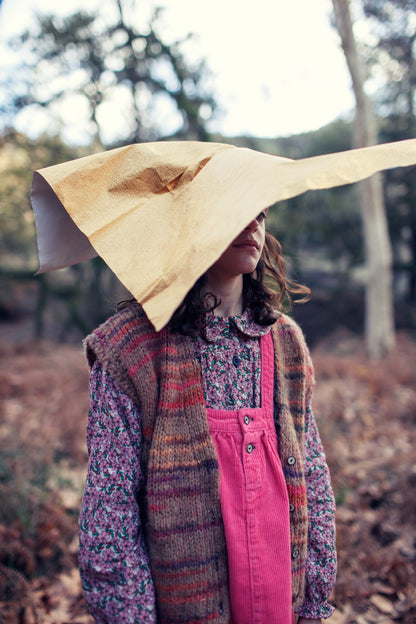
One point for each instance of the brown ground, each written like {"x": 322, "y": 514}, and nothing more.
{"x": 367, "y": 417}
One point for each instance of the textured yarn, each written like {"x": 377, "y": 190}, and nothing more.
{"x": 184, "y": 526}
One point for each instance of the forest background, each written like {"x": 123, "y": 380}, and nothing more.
{"x": 366, "y": 410}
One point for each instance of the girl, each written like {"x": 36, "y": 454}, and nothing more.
{"x": 208, "y": 496}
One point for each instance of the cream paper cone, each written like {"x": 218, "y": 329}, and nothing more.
{"x": 160, "y": 214}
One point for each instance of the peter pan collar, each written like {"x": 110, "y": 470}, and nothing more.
{"x": 219, "y": 327}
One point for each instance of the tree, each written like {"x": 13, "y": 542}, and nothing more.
{"x": 379, "y": 315}
{"x": 393, "y": 59}
{"x": 128, "y": 82}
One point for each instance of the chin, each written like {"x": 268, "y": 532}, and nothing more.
{"x": 245, "y": 265}
{"x": 234, "y": 263}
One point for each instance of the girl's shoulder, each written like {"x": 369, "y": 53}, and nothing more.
{"x": 289, "y": 335}
{"x": 119, "y": 344}
{"x": 290, "y": 343}
{"x": 130, "y": 315}
{"x": 118, "y": 332}
{"x": 287, "y": 324}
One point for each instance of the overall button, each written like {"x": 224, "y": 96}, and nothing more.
{"x": 291, "y": 507}
{"x": 250, "y": 448}
{"x": 295, "y": 553}
{"x": 291, "y": 460}
{"x": 246, "y": 420}
{"x": 236, "y": 360}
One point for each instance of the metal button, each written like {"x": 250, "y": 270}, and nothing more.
{"x": 250, "y": 447}
{"x": 236, "y": 360}
{"x": 291, "y": 507}
{"x": 246, "y": 419}
{"x": 295, "y": 553}
{"x": 291, "y": 460}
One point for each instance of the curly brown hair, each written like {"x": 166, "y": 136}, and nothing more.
{"x": 264, "y": 292}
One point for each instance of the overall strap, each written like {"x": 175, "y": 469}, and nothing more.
{"x": 267, "y": 372}
{"x": 293, "y": 383}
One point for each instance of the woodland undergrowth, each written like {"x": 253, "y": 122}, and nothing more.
{"x": 366, "y": 412}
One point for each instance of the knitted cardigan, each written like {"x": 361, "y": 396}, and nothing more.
{"x": 180, "y": 506}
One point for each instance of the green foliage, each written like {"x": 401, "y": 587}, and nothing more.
{"x": 320, "y": 225}
{"x": 19, "y": 156}
{"x": 334, "y": 137}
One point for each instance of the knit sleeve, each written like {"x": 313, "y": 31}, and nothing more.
{"x": 113, "y": 561}
{"x": 321, "y": 555}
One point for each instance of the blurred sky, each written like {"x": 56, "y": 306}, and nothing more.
{"x": 277, "y": 65}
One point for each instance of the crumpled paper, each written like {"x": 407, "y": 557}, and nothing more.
{"x": 160, "y": 214}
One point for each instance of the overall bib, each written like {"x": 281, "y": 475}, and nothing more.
{"x": 255, "y": 506}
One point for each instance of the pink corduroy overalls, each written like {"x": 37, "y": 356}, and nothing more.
{"x": 255, "y": 506}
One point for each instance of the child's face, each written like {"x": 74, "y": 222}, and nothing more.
{"x": 243, "y": 254}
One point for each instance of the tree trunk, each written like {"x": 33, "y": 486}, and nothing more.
{"x": 379, "y": 312}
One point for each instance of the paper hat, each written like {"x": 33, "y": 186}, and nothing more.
{"x": 160, "y": 214}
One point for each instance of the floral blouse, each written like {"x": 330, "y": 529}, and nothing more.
{"x": 113, "y": 560}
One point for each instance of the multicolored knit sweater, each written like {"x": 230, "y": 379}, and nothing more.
{"x": 184, "y": 527}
